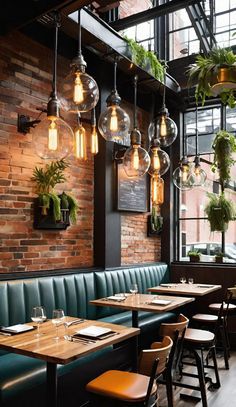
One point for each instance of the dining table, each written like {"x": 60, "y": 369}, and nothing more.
{"x": 142, "y": 302}
{"x": 196, "y": 290}
{"x": 64, "y": 351}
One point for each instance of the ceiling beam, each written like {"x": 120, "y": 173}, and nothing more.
{"x": 151, "y": 13}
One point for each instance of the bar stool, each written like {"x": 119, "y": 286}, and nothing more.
{"x": 217, "y": 324}
{"x": 121, "y": 388}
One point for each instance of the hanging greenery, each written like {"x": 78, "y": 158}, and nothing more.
{"x": 224, "y": 145}
{"x": 46, "y": 179}
{"x": 220, "y": 211}
{"x": 143, "y": 58}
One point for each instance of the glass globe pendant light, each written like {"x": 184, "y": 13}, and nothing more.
{"x": 80, "y": 90}
{"x": 163, "y": 126}
{"x": 80, "y": 148}
{"x": 182, "y": 175}
{"x": 114, "y": 122}
{"x": 199, "y": 174}
{"x": 94, "y": 135}
{"x": 160, "y": 161}
{"x": 136, "y": 159}
{"x": 53, "y": 137}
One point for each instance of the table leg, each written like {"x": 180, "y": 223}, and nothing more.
{"x": 134, "y": 318}
{"x": 51, "y": 384}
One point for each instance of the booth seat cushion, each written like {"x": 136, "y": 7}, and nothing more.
{"x": 110, "y": 282}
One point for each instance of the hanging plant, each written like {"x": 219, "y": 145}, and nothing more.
{"x": 220, "y": 211}
{"x": 143, "y": 58}
{"x": 214, "y": 74}
{"x": 224, "y": 145}
{"x": 156, "y": 221}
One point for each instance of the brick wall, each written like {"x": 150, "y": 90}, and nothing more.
{"x": 25, "y": 83}
{"x": 130, "y": 7}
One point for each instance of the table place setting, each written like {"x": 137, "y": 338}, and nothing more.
{"x": 91, "y": 334}
{"x": 159, "y": 302}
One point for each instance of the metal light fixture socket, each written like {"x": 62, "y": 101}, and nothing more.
{"x": 160, "y": 160}
{"x": 53, "y": 137}
{"x": 182, "y": 175}
{"x": 136, "y": 159}
{"x": 114, "y": 122}
{"x": 80, "y": 91}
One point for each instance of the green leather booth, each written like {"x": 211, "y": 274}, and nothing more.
{"x": 72, "y": 291}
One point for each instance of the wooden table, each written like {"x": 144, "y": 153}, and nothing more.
{"x": 142, "y": 302}
{"x": 62, "y": 352}
{"x": 195, "y": 290}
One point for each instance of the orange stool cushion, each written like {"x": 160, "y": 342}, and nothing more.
{"x": 121, "y": 385}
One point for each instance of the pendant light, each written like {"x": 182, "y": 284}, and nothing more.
{"x": 136, "y": 159}
{"x": 199, "y": 174}
{"x": 182, "y": 175}
{"x": 53, "y": 137}
{"x": 80, "y": 90}
{"x": 114, "y": 122}
{"x": 160, "y": 161}
{"x": 94, "y": 135}
{"x": 163, "y": 126}
{"x": 157, "y": 190}
{"x": 80, "y": 140}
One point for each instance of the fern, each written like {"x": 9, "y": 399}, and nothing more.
{"x": 224, "y": 145}
{"x": 219, "y": 211}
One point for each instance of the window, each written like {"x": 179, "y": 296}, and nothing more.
{"x": 193, "y": 226}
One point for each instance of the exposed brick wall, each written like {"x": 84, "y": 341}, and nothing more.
{"x": 25, "y": 83}
{"x": 130, "y": 7}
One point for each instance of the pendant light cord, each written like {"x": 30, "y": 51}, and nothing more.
{"x": 115, "y": 69}
{"x": 196, "y": 118}
{"x": 135, "y": 101}
{"x": 164, "y": 91}
{"x": 54, "y": 77}
{"x": 79, "y": 33}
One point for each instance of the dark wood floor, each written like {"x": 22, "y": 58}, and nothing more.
{"x": 225, "y": 396}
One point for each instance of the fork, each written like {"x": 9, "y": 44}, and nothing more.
{"x": 74, "y": 322}
{"x": 82, "y": 340}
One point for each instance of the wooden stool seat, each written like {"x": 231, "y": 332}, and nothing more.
{"x": 198, "y": 336}
{"x": 207, "y": 318}
{"x": 216, "y": 307}
{"x": 120, "y": 385}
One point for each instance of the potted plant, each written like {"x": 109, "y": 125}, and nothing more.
{"x": 220, "y": 211}
{"x": 224, "y": 145}
{"x": 155, "y": 221}
{"x": 194, "y": 256}
{"x": 219, "y": 257}
{"x": 145, "y": 59}
{"x": 49, "y": 201}
{"x": 214, "y": 74}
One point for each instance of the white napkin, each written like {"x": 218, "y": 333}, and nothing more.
{"x": 94, "y": 331}
{"x": 168, "y": 285}
{"x": 116, "y": 297}
{"x": 18, "y": 328}
{"x": 160, "y": 302}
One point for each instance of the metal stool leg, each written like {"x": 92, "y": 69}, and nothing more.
{"x": 201, "y": 377}
{"x": 216, "y": 385}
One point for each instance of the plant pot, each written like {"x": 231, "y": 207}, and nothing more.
{"x": 225, "y": 79}
{"x": 152, "y": 230}
{"x": 46, "y": 221}
{"x": 219, "y": 259}
{"x": 194, "y": 259}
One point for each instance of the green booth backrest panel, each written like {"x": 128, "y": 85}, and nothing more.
{"x": 116, "y": 281}
{"x": 72, "y": 293}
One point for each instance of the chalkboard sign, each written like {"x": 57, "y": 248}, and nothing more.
{"x": 131, "y": 192}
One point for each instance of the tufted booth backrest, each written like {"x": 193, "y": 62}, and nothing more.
{"x": 119, "y": 280}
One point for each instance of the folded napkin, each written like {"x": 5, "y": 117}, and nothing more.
{"x": 94, "y": 331}
{"x": 16, "y": 329}
{"x": 116, "y": 298}
{"x": 160, "y": 302}
{"x": 168, "y": 285}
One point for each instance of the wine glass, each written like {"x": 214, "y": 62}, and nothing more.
{"x": 190, "y": 280}
{"x": 134, "y": 288}
{"x": 38, "y": 315}
{"x": 57, "y": 319}
{"x": 182, "y": 279}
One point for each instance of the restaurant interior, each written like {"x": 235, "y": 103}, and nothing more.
{"x": 118, "y": 203}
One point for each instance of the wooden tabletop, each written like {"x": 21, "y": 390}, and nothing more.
{"x": 142, "y": 302}
{"x": 62, "y": 351}
{"x": 196, "y": 290}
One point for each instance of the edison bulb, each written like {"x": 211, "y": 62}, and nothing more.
{"x": 199, "y": 176}
{"x": 157, "y": 190}
{"x": 163, "y": 128}
{"x": 79, "y": 92}
{"x": 94, "y": 140}
{"x": 114, "y": 123}
{"x": 80, "y": 143}
{"x": 136, "y": 161}
{"x": 183, "y": 178}
{"x": 52, "y": 138}
{"x": 160, "y": 161}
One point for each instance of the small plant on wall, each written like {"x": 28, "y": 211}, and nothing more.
{"x": 48, "y": 200}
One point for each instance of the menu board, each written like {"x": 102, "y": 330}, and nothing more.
{"x": 131, "y": 192}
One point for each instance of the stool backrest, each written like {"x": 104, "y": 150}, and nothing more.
{"x": 159, "y": 351}
{"x": 171, "y": 328}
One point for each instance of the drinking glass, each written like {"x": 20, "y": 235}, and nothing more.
{"x": 190, "y": 280}
{"x": 134, "y": 288}
{"x": 38, "y": 315}
{"x": 57, "y": 319}
{"x": 182, "y": 279}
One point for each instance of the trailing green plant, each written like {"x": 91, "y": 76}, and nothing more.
{"x": 156, "y": 219}
{"x": 224, "y": 145}
{"x": 220, "y": 211}
{"x": 140, "y": 56}
{"x": 46, "y": 179}
{"x": 205, "y": 68}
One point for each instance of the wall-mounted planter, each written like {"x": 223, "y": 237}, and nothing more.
{"x": 154, "y": 229}
{"x": 45, "y": 220}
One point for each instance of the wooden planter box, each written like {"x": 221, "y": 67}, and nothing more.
{"x": 47, "y": 222}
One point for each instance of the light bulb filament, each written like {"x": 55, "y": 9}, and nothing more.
{"x": 78, "y": 90}
{"x": 114, "y": 120}
{"x": 52, "y": 136}
{"x": 163, "y": 127}
{"x": 156, "y": 160}
{"x": 157, "y": 184}
{"x": 185, "y": 171}
{"x": 135, "y": 158}
{"x": 80, "y": 143}
{"x": 94, "y": 141}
